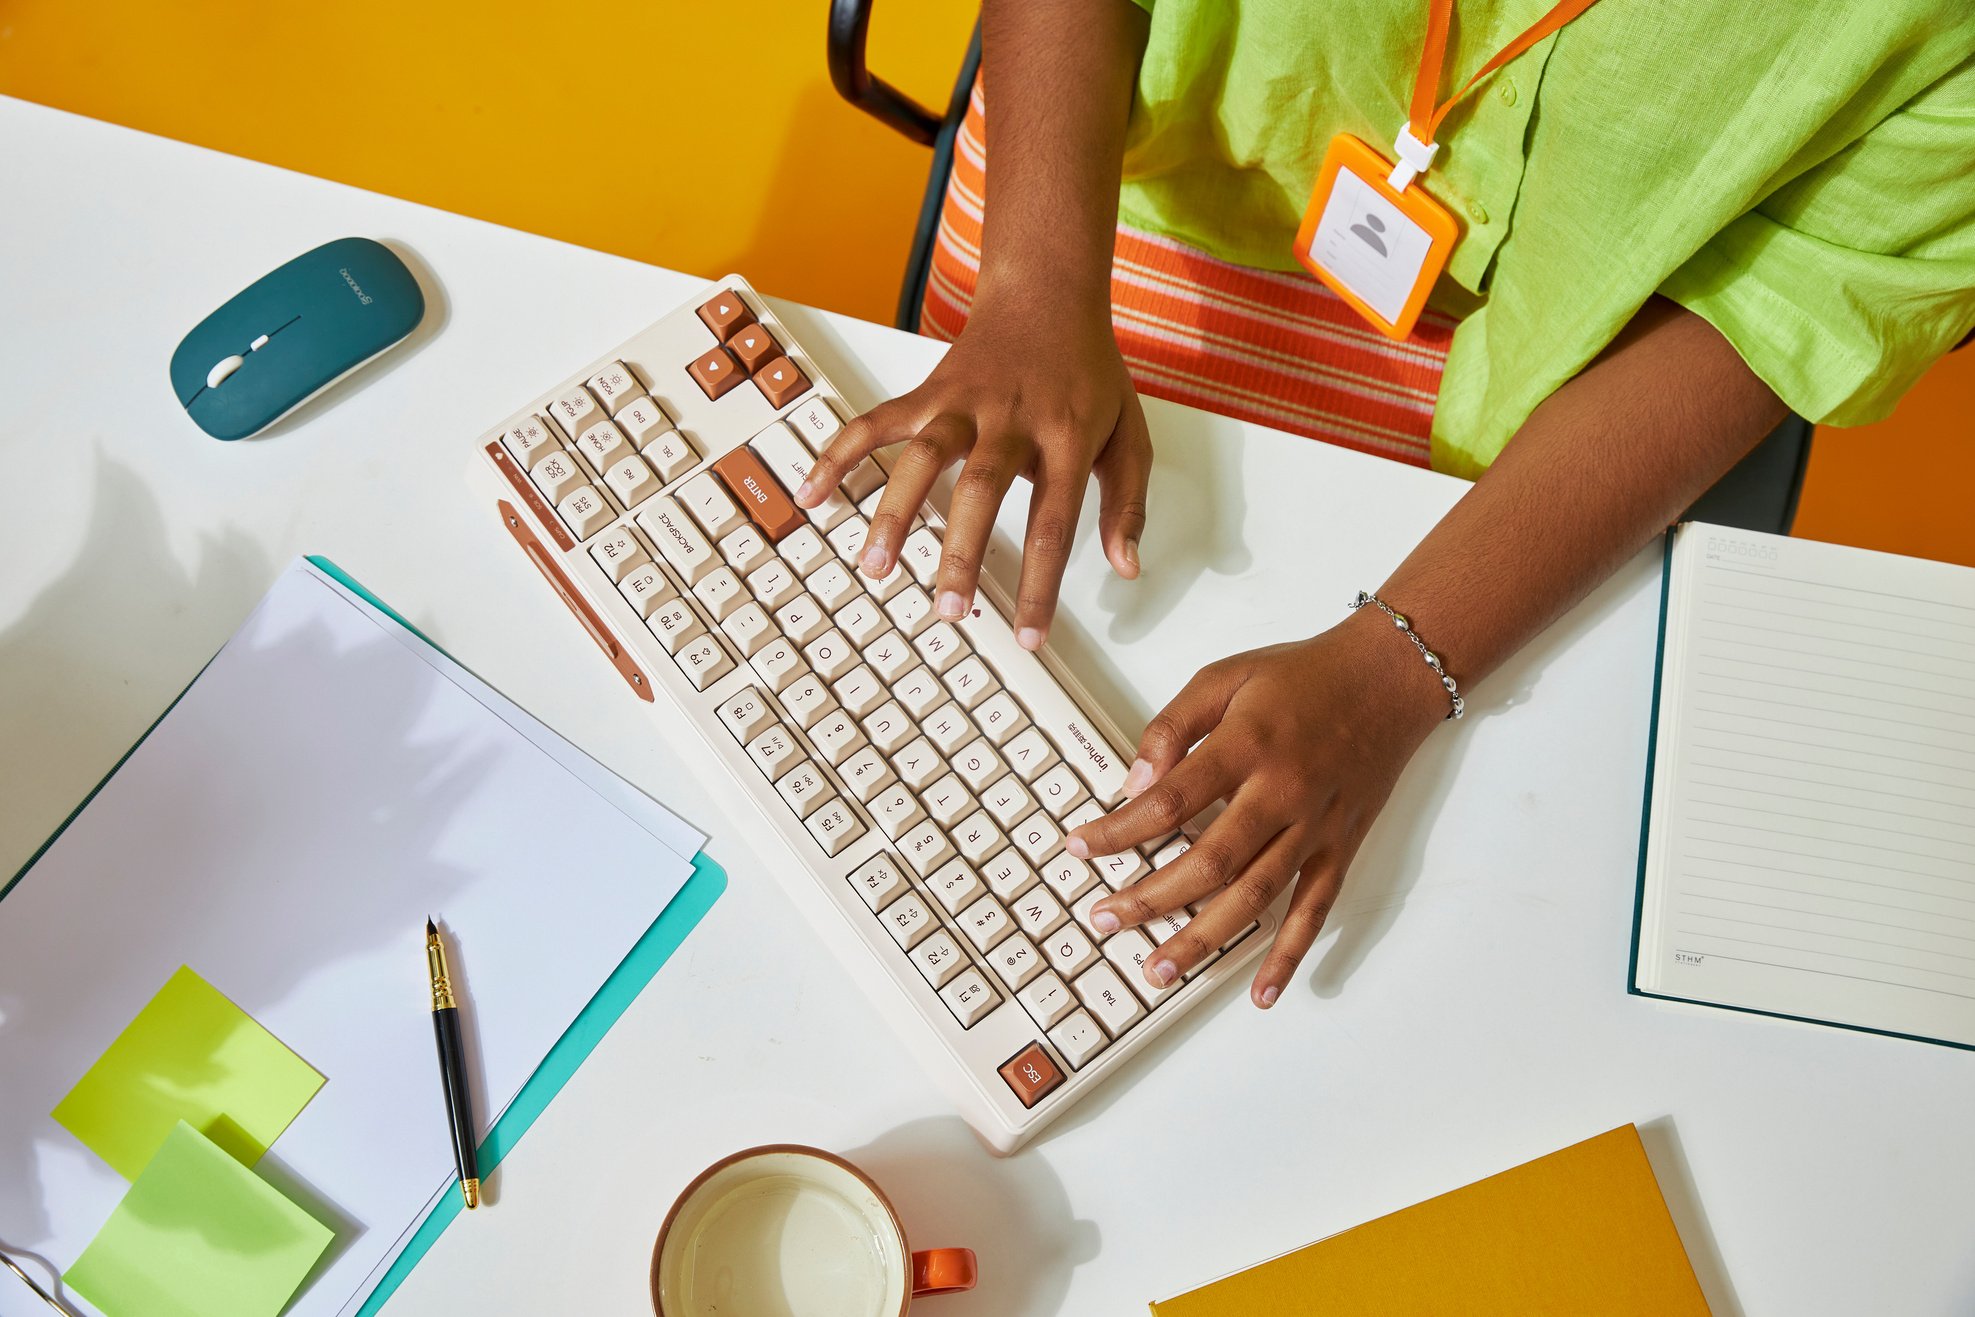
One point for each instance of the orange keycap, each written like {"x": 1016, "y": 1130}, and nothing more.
{"x": 725, "y": 313}
{"x": 758, "y": 493}
{"x": 780, "y": 382}
{"x": 715, "y": 373}
{"x": 754, "y": 346}
{"x": 1031, "y": 1074}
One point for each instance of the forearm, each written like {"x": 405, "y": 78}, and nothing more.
{"x": 1060, "y": 92}
{"x": 1605, "y": 464}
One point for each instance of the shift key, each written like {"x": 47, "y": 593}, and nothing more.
{"x": 759, "y": 493}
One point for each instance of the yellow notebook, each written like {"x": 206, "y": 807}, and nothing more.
{"x": 1583, "y": 1230}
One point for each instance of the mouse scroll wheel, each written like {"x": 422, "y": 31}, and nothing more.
{"x": 225, "y": 368}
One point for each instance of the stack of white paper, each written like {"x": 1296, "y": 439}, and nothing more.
{"x": 327, "y": 782}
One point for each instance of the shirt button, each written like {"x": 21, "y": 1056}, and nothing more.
{"x": 1506, "y": 89}
{"x": 1477, "y": 212}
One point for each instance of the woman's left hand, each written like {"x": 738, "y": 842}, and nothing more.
{"x": 1304, "y": 741}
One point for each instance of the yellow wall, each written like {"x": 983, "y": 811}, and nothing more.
{"x": 705, "y": 137}
{"x": 702, "y": 136}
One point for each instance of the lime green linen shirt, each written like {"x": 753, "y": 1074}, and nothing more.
{"x": 1801, "y": 173}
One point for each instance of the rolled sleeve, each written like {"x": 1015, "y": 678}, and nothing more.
{"x": 1842, "y": 287}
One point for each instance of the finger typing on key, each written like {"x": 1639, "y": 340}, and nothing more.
{"x": 1056, "y": 410}
{"x": 1257, "y": 731}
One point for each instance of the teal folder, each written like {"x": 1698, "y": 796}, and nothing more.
{"x": 680, "y": 916}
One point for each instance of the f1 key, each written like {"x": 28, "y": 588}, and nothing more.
{"x": 759, "y": 493}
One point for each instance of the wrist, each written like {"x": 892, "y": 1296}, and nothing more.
{"x": 1413, "y": 691}
{"x": 1045, "y": 296}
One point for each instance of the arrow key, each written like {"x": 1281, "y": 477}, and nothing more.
{"x": 780, "y": 382}
{"x": 725, "y": 313}
{"x": 715, "y": 373}
{"x": 754, "y": 346}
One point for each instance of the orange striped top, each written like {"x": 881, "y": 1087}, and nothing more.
{"x": 1267, "y": 346}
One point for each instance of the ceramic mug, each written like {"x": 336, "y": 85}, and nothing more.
{"x": 785, "y": 1230}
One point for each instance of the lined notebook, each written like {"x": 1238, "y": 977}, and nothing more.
{"x": 1809, "y": 845}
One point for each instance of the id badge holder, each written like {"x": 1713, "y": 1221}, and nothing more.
{"x": 1377, "y": 244}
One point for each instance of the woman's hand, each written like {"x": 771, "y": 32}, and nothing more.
{"x": 1304, "y": 741}
{"x": 1030, "y": 389}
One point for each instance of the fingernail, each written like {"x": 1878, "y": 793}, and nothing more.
{"x": 1104, "y": 921}
{"x": 804, "y": 490}
{"x": 1269, "y": 995}
{"x": 1131, "y": 553}
{"x": 1029, "y": 638}
{"x": 1077, "y": 846}
{"x": 873, "y": 561}
{"x": 1139, "y": 778}
{"x": 951, "y": 605}
{"x": 1162, "y": 972}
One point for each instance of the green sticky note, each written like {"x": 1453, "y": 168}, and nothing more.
{"x": 194, "y": 1056}
{"x": 198, "y": 1235}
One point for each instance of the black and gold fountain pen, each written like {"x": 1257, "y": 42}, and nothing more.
{"x": 452, "y": 1066}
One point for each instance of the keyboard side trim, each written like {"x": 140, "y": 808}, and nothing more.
{"x": 620, "y": 657}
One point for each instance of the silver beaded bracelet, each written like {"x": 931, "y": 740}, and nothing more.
{"x": 1432, "y": 659}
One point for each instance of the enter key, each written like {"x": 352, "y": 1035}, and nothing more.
{"x": 759, "y": 493}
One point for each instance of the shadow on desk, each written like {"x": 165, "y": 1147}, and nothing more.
{"x": 1690, "y": 1218}
{"x": 1391, "y": 864}
{"x": 1012, "y": 1211}
{"x": 94, "y": 657}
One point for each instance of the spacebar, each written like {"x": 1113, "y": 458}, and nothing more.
{"x": 1054, "y": 712}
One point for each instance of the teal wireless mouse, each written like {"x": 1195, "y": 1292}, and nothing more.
{"x": 294, "y": 332}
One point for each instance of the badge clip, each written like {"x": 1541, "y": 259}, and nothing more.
{"x": 1415, "y": 158}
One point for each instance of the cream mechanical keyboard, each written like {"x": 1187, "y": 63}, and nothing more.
{"x": 922, "y": 773}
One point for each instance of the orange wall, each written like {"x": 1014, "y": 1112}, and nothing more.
{"x": 1907, "y": 483}
{"x": 702, "y": 137}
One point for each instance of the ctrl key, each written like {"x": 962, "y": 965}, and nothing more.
{"x": 1031, "y": 1074}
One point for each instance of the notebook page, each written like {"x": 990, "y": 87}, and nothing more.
{"x": 1816, "y": 838}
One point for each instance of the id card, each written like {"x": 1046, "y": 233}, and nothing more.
{"x": 1375, "y": 246}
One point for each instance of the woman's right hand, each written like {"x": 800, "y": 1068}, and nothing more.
{"x": 1029, "y": 389}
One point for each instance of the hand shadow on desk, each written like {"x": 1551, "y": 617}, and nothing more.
{"x": 1390, "y": 863}
{"x": 1195, "y": 509}
{"x": 92, "y": 660}
{"x": 1012, "y": 1211}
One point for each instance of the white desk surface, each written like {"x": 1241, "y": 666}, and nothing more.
{"x": 1466, "y": 1012}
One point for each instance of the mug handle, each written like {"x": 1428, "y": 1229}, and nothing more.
{"x": 943, "y": 1271}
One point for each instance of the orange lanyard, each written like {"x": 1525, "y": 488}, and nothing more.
{"x": 1424, "y": 120}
